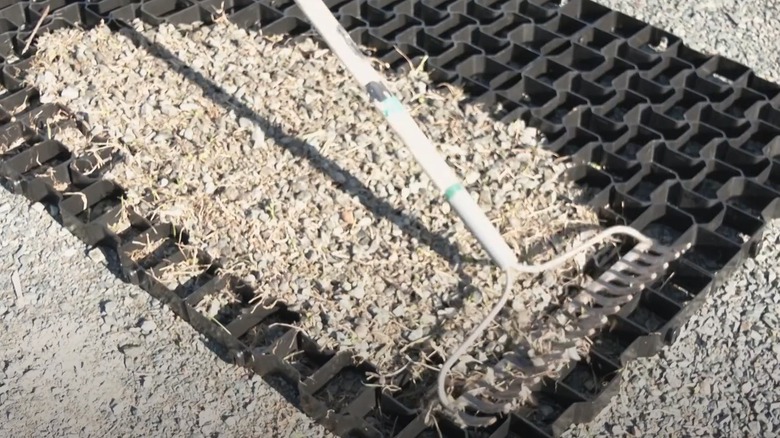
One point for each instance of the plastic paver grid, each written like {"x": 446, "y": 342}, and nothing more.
{"x": 676, "y": 143}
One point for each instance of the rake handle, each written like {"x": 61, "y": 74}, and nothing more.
{"x": 437, "y": 169}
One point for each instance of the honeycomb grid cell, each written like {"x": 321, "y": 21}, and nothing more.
{"x": 595, "y": 94}
{"x": 517, "y": 57}
{"x": 623, "y": 103}
{"x": 731, "y": 127}
{"x": 612, "y": 69}
{"x": 620, "y": 24}
{"x": 653, "y": 40}
{"x": 587, "y": 11}
{"x": 535, "y": 11}
{"x": 580, "y": 58}
{"x": 595, "y": 38}
{"x": 750, "y": 165}
{"x": 475, "y": 36}
{"x": 679, "y": 104}
{"x": 631, "y": 145}
{"x": 419, "y": 10}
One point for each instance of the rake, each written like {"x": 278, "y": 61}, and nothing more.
{"x": 510, "y": 381}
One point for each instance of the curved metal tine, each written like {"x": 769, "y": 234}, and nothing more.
{"x": 610, "y": 284}
{"x": 608, "y": 302}
{"x": 513, "y": 360}
{"x": 640, "y": 278}
{"x": 475, "y": 421}
{"x": 501, "y": 371}
{"x": 635, "y": 264}
{"x": 636, "y": 257}
{"x": 605, "y": 287}
{"x": 655, "y": 249}
{"x": 504, "y": 396}
{"x": 514, "y": 389}
{"x": 530, "y": 369}
{"x": 647, "y": 274}
{"x": 592, "y": 324}
{"x": 584, "y": 303}
{"x": 629, "y": 269}
{"x": 482, "y": 405}
{"x": 470, "y": 398}
{"x": 674, "y": 252}
{"x": 632, "y": 258}
{"x": 649, "y": 252}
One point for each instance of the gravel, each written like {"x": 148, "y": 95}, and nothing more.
{"x": 742, "y": 30}
{"x": 291, "y": 176}
{"x": 718, "y": 378}
{"x": 83, "y": 354}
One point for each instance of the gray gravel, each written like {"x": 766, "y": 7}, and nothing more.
{"x": 743, "y": 30}
{"x": 717, "y": 380}
{"x": 83, "y": 354}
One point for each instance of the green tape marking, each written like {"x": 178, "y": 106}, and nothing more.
{"x": 452, "y": 190}
{"x": 391, "y": 106}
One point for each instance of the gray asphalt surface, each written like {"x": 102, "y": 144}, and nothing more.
{"x": 82, "y": 354}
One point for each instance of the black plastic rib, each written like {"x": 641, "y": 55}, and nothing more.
{"x": 669, "y": 140}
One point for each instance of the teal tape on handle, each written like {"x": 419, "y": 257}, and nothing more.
{"x": 391, "y": 106}
{"x": 452, "y": 190}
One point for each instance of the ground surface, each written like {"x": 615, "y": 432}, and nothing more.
{"x": 716, "y": 380}
{"x": 83, "y": 354}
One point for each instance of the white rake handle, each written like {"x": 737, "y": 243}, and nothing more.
{"x": 342, "y": 45}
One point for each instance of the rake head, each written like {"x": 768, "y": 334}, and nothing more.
{"x": 511, "y": 382}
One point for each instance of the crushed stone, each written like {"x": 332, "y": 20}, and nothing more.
{"x": 266, "y": 152}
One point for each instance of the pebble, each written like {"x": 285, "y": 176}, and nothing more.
{"x": 244, "y": 123}
{"x": 109, "y": 307}
{"x": 361, "y": 330}
{"x": 258, "y": 137}
{"x": 97, "y": 256}
{"x": 358, "y": 292}
{"x": 69, "y": 93}
{"x": 131, "y": 350}
{"x": 147, "y": 326}
{"x": 415, "y": 335}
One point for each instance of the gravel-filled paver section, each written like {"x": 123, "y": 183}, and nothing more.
{"x": 83, "y": 354}
{"x": 272, "y": 158}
